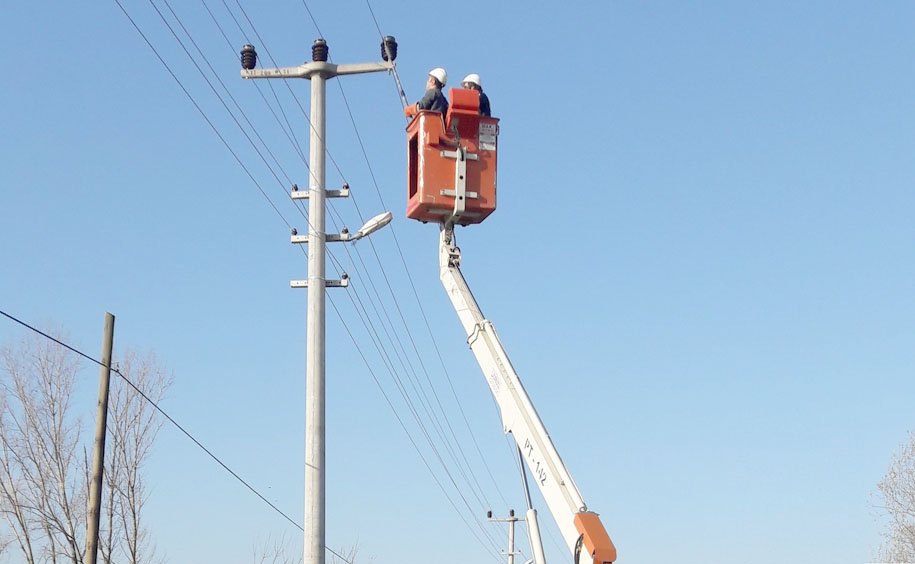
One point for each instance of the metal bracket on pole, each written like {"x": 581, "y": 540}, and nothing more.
{"x": 343, "y": 282}
{"x": 329, "y": 238}
{"x": 304, "y": 194}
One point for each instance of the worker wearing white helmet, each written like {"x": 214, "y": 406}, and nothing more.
{"x": 433, "y": 100}
{"x": 472, "y": 82}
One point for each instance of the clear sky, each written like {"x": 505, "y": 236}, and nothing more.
{"x": 701, "y": 265}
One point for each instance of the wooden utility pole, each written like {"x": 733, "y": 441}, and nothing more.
{"x": 98, "y": 453}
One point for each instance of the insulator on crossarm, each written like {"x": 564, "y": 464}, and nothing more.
{"x": 248, "y": 57}
{"x": 389, "y": 48}
{"x": 319, "y": 50}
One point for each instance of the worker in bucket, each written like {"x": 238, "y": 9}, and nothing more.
{"x": 433, "y": 100}
{"x": 472, "y": 82}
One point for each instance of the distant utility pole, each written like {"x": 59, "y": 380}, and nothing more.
{"x": 98, "y": 452}
{"x": 511, "y": 520}
{"x": 318, "y": 72}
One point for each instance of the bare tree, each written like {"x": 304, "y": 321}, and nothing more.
{"x": 277, "y": 551}
{"x": 280, "y": 552}
{"x": 897, "y": 492}
{"x": 44, "y": 471}
{"x": 132, "y": 428}
{"x": 346, "y": 556}
{"x": 43, "y": 491}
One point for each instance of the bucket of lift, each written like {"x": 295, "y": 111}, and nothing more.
{"x": 451, "y": 163}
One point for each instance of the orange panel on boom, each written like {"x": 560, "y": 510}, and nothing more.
{"x": 595, "y": 539}
{"x": 431, "y": 171}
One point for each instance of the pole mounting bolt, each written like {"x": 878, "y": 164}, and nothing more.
{"x": 248, "y": 57}
{"x": 319, "y": 50}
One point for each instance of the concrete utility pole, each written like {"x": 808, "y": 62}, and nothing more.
{"x": 318, "y": 72}
{"x": 98, "y": 452}
{"x": 511, "y": 520}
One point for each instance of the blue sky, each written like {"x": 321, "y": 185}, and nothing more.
{"x": 701, "y": 265}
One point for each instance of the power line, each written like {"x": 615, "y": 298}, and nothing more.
{"x": 171, "y": 420}
{"x": 226, "y": 89}
{"x": 417, "y": 386}
{"x": 397, "y": 83}
{"x": 409, "y": 274}
{"x": 412, "y": 440}
{"x": 290, "y": 133}
{"x": 368, "y": 323}
{"x": 396, "y": 302}
{"x": 213, "y": 88}
{"x": 423, "y": 396}
{"x": 203, "y": 114}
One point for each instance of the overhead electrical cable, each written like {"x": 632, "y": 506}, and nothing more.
{"x": 269, "y": 83}
{"x": 203, "y": 114}
{"x": 397, "y": 83}
{"x": 409, "y": 274}
{"x": 238, "y": 107}
{"x": 290, "y": 134}
{"x": 411, "y": 407}
{"x": 409, "y": 435}
{"x": 248, "y": 137}
{"x": 292, "y": 93}
{"x": 475, "y": 481}
{"x": 170, "y": 419}
{"x": 215, "y": 91}
{"x": 433, "y": 417}
{"x": 436, "y": 423}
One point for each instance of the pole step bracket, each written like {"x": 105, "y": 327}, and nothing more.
{"x": 343, "y": 282}
{"x": 304, "y": 194}
{"x": 329, "y": 238}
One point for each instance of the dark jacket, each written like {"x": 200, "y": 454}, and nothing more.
{"x": 434, "y": 100}
{"x": 484, "y": 105}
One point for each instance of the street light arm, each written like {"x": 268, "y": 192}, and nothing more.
{"x": 372, "y": 225}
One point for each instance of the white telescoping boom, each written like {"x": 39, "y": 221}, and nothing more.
{"x": 581, "y": 529}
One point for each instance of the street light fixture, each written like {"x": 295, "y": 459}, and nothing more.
{"x": 372, "y": 225}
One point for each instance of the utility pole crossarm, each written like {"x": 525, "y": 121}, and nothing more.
{"x": 362, "y": 68}
{"x": 309, "y": 69}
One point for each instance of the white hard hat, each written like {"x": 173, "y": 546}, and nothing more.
{"x": 472, "y": 78}
{"x": 439, "y": 74}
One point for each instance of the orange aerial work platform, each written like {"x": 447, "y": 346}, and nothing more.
{"x": 451, "y": 162}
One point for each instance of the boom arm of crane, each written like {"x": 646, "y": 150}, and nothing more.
{"x": 581, "y": 529}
